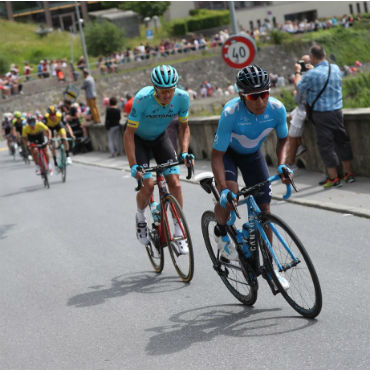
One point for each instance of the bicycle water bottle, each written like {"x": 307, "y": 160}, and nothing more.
{"x": 155, "y": 208}
{"x": 245, "y": 233}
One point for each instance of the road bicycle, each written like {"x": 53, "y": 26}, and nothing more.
{"x": 162, "y": 218}
{"x": 42, "y": 162}
{"x": 62, "y": 157}
{"x": 284, "y": 256}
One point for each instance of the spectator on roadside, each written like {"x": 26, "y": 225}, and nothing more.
{"x": 192, "y": 93}
{"x": 112, "y": 124}
{"x": 27, "y": 71}
{"x": 39, "y": 69}
{"x": 128, "y": 104}
{"x": 90, "y": 94}
{"x": 332, "y": 138}
{"x": 298, "y": 117}
{"x": 81, "y": 63}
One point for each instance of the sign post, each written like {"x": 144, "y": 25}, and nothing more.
{"x": 239, "y": 51}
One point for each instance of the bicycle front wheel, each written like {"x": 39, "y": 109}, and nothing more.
{"x": 44, "y": 170}
{"x": 174, "y": 221}
{"x": 154, "y": 248}
{"x": 63, "y": 164}
{"x": 304, "y": 292}
{"x": 231, "y": 272}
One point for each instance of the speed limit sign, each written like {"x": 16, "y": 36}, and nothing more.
{"x": 239, "y": 51}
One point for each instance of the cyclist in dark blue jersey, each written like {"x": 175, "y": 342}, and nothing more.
{"x": 153, "y": 109}
{"x": 245, "y": 123}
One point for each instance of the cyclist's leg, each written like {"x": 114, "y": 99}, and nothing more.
{"x": 142, "y": 153}
{"x": 53, "y": 135}
{"x": 163, "y": 152}
{"x": 254, "y": 170}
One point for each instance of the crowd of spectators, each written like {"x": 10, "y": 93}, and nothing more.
{"x": 62, "y": 71}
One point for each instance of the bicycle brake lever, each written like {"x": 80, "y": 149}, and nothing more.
{"x": 230, "y": 200}
{"x": 140, "y": 184}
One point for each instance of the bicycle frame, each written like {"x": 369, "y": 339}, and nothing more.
{"x": 163, "y": 192}
{"x": 254, "y": 214}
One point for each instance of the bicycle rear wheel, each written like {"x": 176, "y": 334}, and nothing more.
{"x": 154, "y": 248}
{"x": 184, "y": 263}
{"x": 304, "y": 293}
{"x": 230, "y": 273}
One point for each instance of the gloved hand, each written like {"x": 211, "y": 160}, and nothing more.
{"x": 135, "y": 169}
{"x": 185, "y": 154}
{"x": 223, "y": 197}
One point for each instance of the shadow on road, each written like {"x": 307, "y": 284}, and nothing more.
{"x": 144, "y": 282}
{"x": 205, "y": 323}
{"x": 4, "y": 229}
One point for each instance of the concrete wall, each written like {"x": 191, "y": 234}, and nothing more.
{"x": 357, "y": 122}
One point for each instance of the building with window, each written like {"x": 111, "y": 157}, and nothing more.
{"x": 252, "y": 14}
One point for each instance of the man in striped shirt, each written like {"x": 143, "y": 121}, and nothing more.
{"x": 332, "y": 138}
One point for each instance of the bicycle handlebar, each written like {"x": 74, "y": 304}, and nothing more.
{"x": 282, "y": 170}
{"x": 162, "y": 167}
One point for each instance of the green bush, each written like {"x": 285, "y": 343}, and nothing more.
{"x": 4, "y": 65}
{"x": 103, "y": 38}
{"x": 179, "y": 28}
{"x": 203, "y": 19}
{"x": 356, "y": 90}
{"x": 279, "y": 37}
{"x": 287, "y": 98}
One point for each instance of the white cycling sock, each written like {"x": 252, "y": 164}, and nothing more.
{"x": 140, "y": 215}
{"x": 178, "y": 231}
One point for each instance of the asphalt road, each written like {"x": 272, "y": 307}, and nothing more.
{"x": 78, "y": 292}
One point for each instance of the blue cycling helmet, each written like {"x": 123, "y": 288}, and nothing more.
{"x": 164, "y": 76}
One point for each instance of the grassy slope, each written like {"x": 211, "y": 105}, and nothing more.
{"x": 19, "y": 43}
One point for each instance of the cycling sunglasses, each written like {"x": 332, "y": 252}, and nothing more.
{"x": 254, "y": 96}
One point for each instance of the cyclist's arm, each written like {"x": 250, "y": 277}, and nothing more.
{"x": 218, "y": 169}
{"x": 70, "y": 131}
{"x": 184, "y": 136}
{"x": 129, "y": 142}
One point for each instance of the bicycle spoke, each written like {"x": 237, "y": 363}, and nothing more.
{"x": 177, "y": 234}
{"x": 230, "y": 272}
{"x": 304, "y": 292}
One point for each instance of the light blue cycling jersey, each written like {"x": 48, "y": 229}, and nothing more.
{"x": 244, "y": 131}
{"x": 152, "y": 118}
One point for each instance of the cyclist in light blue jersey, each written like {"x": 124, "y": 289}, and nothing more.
{"x": 153, "y": 109}
{"x": 244, "y": 125}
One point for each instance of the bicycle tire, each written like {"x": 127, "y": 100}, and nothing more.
{"x": 156, "y": 257}
{"x": 44, "y": 170}
{"x": 304, "y": 293}
{"x": 231, "y": 274}
{"x": 183, "y": 263}
{"x": 63, "y": 164}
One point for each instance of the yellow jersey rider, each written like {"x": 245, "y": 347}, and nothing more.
{"x": 54, "y": 121}
{"x": 34, "y": 132}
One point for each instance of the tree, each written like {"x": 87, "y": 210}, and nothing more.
{"x": 146, "y": 8}
{"x": 103, "y": 38}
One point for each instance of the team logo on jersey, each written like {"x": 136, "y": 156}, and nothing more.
{"x": 215, "y": 140}
{"x": 133, "y": 112}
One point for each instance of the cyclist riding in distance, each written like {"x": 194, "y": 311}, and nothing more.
{"x": 6, "y": 126}
{"x": 245, "y": 123}
{"x": 54, "y": 120}
{"x": 153, "y": 109}
{"x": 17, "y": 124}
{"x": 35, "y": 132}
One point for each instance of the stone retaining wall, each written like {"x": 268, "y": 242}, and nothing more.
{"x": 357, "y": 122}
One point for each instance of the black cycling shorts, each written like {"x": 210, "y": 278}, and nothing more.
{"x": 38, "y": 138}
{"x": 57, "y": 129}
{"x": 161, "y": 149}
{"x": 253, "y": 168}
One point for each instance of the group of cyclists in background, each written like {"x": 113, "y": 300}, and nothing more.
{"x": 67, "y": 120}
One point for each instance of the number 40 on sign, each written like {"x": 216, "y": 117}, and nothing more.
{"x": 239, "y": 51}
